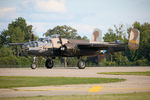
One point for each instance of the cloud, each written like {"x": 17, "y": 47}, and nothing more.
{"x": 6, "y": 12}
{"x": 82, "y": 29}
{"x": 26, "y": 2}
{"x": 86, "y": 29}
{"x": 51, "y": 17}
{"x": 40, "y": 27}
{"x": 51, "y": 5}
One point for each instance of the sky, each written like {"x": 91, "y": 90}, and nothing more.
{"x": 83, "y": 15}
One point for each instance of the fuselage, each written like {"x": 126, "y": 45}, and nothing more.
{"x": 52, "y": 47}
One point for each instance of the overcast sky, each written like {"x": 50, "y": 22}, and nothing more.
{"x": 83, "y": 15}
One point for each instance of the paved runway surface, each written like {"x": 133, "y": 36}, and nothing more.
{"x": 133, "y": 83}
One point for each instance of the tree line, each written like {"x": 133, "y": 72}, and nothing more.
{"x": 140, "y": 57}
{"x": 19, "y": 32}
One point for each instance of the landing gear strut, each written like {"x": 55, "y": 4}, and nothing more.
{"x": 81, "y": 64}
{"x": 33, "y": 66}
{"x": 49, "y": 63}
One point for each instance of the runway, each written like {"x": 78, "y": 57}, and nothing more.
{"x": 133, "y": 83}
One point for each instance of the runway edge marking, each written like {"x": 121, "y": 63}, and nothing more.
{"x": 95, "y": 89}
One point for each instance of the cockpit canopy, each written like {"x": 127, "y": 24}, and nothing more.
{"x": 47, "y": 40}
{"x": 33, "y": 44}
{"x": 42, "y": 39}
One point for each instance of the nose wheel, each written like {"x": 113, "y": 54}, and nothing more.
{"x": 49, "y": 63}
{"x": 33, "y": 66}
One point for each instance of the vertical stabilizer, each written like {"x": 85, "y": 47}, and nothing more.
{"x": 134, "y": 39}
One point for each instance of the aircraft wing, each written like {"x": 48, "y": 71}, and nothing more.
{"x": 110, "y": 47}
{"x": 133, "y": 43}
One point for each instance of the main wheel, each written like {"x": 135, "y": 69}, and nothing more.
{"x": 81, "y": 64}
{"x": 33, "y": 66}
{"x": 49, "y": 64}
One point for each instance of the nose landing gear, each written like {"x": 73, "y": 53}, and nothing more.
{"x": 33, "y": 66}
{"x": 49, "y": 63}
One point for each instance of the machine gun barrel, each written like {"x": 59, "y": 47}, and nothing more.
{"x": 16, "y": 44}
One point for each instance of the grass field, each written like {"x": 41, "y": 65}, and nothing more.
{"x": 146, "y": 73}
{"x": 22, "y": 81}
{"x": 129, "y": 96}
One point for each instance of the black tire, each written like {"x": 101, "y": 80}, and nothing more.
{"x": 33, "y": 66}
{"x": 49, "y": 64}
{"x": 81, "y": 64}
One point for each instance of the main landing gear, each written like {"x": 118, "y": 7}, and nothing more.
{"x": 81, "y": 63}
{"x": 49, "y": 63}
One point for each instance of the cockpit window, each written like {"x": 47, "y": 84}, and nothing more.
{"x": 58, "y": 42}
{"x": 33, "y": 44}
{"x": 36, "y": 44}
{"x": 40, "y": 39}
{"x": 50, "y": 41}
{"x": 45, "y": 40}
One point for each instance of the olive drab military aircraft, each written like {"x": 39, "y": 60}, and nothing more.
{"x": 56, "y": 46}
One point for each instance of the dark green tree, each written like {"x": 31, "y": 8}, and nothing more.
{"x": 142, "y": 55}
{"x": 65, "y": 32}
{"x": 5, "y": 51}
{"x": 18, "y": 32}
{"x": 112, "y": 35}
{"x": 118, "y": 34}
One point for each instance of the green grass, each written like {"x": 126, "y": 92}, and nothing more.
{"x": 146, "y": 73}
{"x": 22, "y": 81}
{"x": 129, "y": 96}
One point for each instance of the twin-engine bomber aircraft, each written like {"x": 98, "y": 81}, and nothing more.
{"x": 61, "y": 47}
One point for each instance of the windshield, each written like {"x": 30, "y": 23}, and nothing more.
{"x": 47, "y": 40}
{"x": 41, "y": 39}
{"x": 33, "y": 44}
